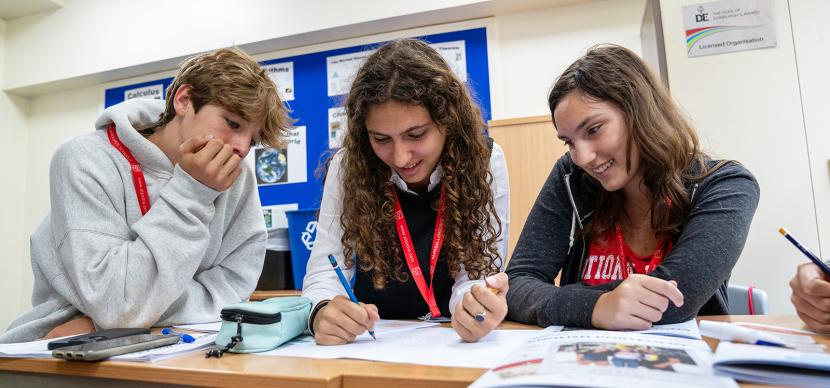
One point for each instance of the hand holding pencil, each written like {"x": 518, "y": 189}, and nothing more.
{"x": 811, "y": 289}
{"x": 481, "y": 309}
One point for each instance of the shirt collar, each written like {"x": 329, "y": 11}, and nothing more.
{"x": 434, "y": 180}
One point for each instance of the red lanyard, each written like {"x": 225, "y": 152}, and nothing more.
{"x": 656, "y": 258}
{"x": 409, "y": 251}
{"x": 138, "y": 176}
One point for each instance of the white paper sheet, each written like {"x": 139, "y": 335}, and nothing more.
{"x": 202, "y": 343}
{"x": 428, "y": 346}
{"x": 688, "y": 329}
{"x": 209, "y": 327}
{"x": 38, "y": 349}
{"x": 34, "y": 349}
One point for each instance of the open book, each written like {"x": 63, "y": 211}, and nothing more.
{"x": 772, "y": 365}
{"x": 593, "y": 358}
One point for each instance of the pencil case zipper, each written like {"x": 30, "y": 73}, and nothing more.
{"x": 250, "y": 317}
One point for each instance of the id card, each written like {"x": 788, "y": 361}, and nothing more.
{"x": 428, "y": 318}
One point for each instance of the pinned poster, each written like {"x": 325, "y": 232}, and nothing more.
{"x": 283, "y": 76}
{"x": 150, "y": 91}
{"x": 728, "y": 26}
{"x": 454, "y": 53}
{"x": 338, "y": 125}
{"x": 275, "y": 215}
{"x": 341, "y": 70}
{"x": 274, "y": 166}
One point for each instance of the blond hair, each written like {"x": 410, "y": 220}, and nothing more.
{"x": 231, "y": 79}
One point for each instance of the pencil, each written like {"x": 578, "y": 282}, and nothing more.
{"x": 805, "y": 251}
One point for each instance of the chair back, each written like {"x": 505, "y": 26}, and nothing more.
{"x": 747, "y": 300}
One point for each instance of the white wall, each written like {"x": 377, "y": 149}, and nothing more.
{"x": 747, "y": 107}
{"x": 24, "y": 200}
{"x": 114, "y": 39}
{"x": 535, "y": 47}
{"x": 812, "y": 52}
{"x": 13, "y": 239}
{"x": 527, "y": 51}
{"x": 138, "y": 32}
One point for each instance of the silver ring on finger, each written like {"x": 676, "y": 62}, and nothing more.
{"x": 480, "y": 316}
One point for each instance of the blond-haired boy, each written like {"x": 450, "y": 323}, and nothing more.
{"x": 154, "y": 221}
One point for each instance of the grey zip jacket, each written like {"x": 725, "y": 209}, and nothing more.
{"x": 701, "y": 260}
{"x": 194, "y": 252}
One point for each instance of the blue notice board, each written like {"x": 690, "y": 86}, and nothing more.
{"x": 312, "y": 101}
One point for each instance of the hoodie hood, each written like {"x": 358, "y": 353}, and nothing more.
{"x": 128, "y": 117}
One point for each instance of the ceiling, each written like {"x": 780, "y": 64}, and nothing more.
{"x": 13, "y": 9}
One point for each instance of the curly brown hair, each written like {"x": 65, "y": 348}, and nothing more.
{"x": 409, "y": 71}
{"x": 669, "y": 147}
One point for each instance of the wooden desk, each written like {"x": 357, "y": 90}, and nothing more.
{"x": 262, "y": 295}
{"x": 253, "y": 370}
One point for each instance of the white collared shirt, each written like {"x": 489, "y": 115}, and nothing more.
{"x": 434, "y": 179}
{"x": 321, "y": 283}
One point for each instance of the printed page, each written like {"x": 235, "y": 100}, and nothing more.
{"x": 606, "y": 359}
{"x": 688, "y": 329}
{"x": 772, "y": 365}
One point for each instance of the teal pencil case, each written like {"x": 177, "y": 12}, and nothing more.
{"x": 250, "y": 327}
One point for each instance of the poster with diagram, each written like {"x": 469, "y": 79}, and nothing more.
{"x": 274, "y": 166}
{"x": 283, "y": 76}
{"x": 341, "y": 70}
{"x": 455, "y": 53}
{"x": 274, "y": 215}
{"x": 338, "y": 125}
{"x": 313, "y": 86}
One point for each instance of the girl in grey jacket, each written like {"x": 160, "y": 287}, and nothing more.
{"x": 639, "y": 225}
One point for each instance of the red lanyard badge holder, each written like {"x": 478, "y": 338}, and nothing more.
{"x": 138, "y": 175}
{"x": 411, "y": 257}
{"x": 656, "y": 258}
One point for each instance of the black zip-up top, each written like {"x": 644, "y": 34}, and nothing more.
{"x": 701, "y": 259}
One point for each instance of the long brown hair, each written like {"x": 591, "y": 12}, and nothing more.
{"x": 669, "y": 147}
{"x": 409, "y": 71}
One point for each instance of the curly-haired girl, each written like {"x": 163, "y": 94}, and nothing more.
{"x": 415, "y": 170}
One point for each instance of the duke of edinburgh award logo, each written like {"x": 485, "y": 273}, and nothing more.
{"x": 701, "y": 16}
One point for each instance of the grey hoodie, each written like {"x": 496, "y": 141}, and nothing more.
{"x": 701, "y": 260}
{"x": 194, "y": 252}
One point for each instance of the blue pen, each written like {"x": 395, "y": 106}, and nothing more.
{"x": 346, "y": 285}
{"x": 186, "y": 338}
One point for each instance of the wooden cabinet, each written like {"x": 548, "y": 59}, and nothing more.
{"x": 531, "y": 149}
